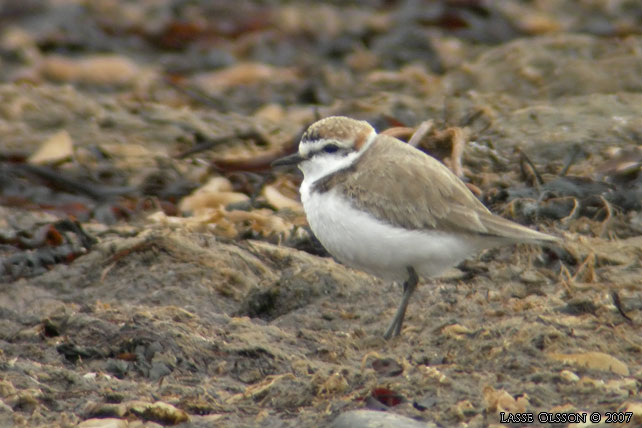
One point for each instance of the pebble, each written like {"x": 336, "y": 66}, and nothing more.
{"x": 569, "y": 376}
{"x": 375, "y": 419}
{"x": 101, "y": 69}
{"x": 116, "y": 423}
{"x": 57, "y": 148}
{"x": 103, "y": 423}
{"x": 4, "y": 408}
{"x": 593, "y": 360}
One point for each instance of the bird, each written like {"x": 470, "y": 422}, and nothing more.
{"x": 379, "y": 205}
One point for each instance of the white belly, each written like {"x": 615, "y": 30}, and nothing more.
{"x": 359, "y": 240}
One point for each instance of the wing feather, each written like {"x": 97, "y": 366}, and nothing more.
{"x": 430, "y": 197}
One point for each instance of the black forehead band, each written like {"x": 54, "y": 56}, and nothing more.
{"x": 310, "y": 136}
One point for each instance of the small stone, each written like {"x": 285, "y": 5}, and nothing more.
{"x": 569, "y": 376}
{"x": 6, "y": 389}
{"x": 158, "y": 370}
{"x": 57, "y": 148}
{"x": 593, "y": 360}
{"x": 615, "y": 387}
{"x": 501, "y": 401}
{"x": 387, "y": 367}
{"x": 457, "y": 331}
{"x": 375, "y": 419}
{"x": 92, "y": 70}
{"x": 532, "y": 277}
{"x": 159, "y": 411}
{"x": 4, "y": 408}
{"x": 463, "y": 409}
{"x": 105, "y": 410}
{"x": 144, "y": 424}
{"x": 104, "y": 423}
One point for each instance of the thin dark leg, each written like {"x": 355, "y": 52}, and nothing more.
{"x": 409, "y": 287}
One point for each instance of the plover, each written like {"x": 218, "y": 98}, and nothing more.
{"x": 379, "y": 205}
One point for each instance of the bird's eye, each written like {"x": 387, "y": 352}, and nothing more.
{"x": 330, "y": 148}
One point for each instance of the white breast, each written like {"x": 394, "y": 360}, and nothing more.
{"x": 359, "y": 240}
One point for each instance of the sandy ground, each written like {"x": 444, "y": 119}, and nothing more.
{"x": 186, "y": 290}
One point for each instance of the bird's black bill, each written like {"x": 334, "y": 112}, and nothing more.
{"x": 288, "y": 160}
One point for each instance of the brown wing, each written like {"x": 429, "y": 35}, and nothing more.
{"x": 416, "y": 191}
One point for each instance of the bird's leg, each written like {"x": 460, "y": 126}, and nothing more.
{"x": 409, "y": 287}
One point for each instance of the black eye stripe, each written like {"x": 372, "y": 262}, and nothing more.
{"x": 330, "y": 148}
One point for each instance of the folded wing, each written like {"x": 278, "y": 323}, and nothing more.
{"x": 416, "y": 191}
